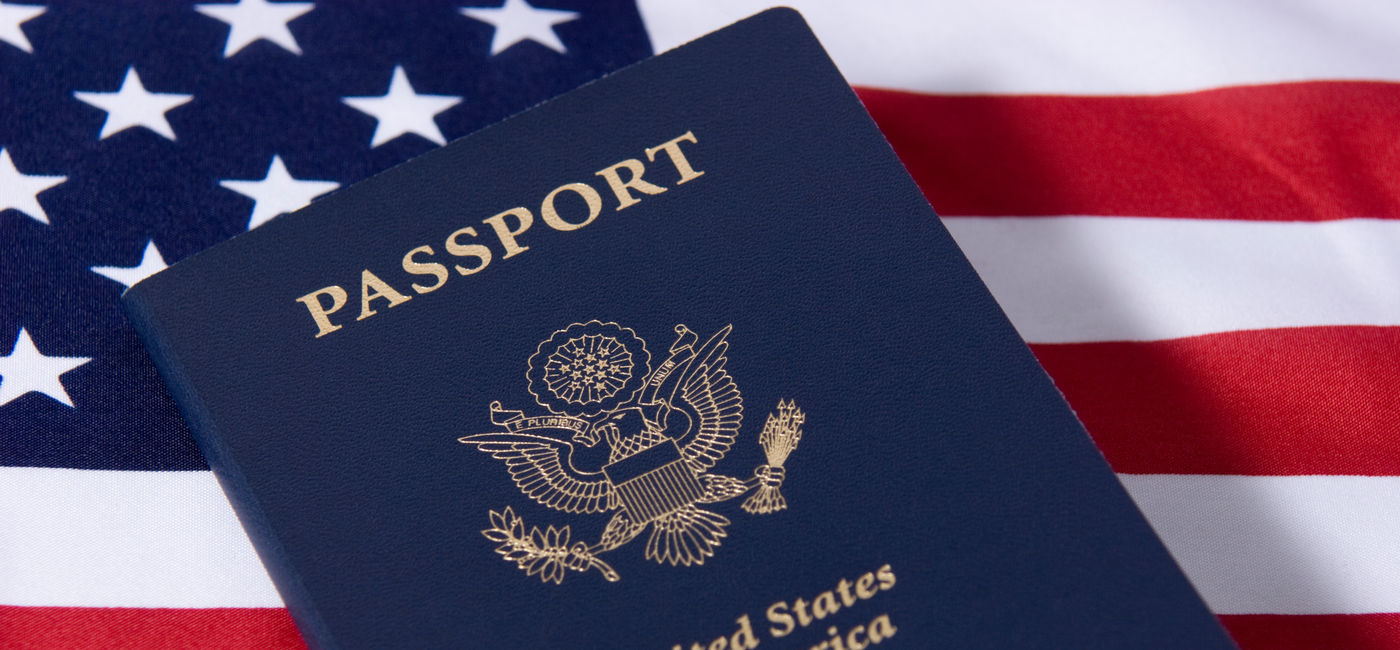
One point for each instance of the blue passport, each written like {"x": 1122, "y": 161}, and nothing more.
{"x": 680, "y": 359}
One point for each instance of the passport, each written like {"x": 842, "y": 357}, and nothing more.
{"x": 680, "y": 359}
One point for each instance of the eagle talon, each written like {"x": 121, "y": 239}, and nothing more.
{"x": 770, "y": 476}
{"x": 581, "y": 558}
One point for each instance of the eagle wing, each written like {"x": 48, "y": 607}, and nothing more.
{"x": 537, "y": 466}
{"x": 712, "y": 398}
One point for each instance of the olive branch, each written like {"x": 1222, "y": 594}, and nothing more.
{"x": 542, "y": 552}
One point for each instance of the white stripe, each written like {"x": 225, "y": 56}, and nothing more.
{"x": 90, "y": 538}
{"x": 1250, "y": 544}
{"x": 1084, "y": 47}
{"x": 1280, "y": 544}
{"x": 1071, "y": 279}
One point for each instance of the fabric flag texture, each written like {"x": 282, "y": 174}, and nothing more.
{"x": 1190, "y": 210}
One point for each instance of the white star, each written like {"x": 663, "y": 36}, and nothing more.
{"x": 278, "y": 192}
{"x": 517, "y": 21}
{"x": 250, "y": 20}
{"x": 21, "y": 192}
{"x": 26, "y": 370}
{"x": 133, "y": 105}
{"x": 401, "y": 110}
{"x": 151, "y": 264}
{"x": 10, "y": 18}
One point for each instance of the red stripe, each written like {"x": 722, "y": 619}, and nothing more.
{"x": 1297, "y": 151}
{"x": 1350, "y": 631}
{"x": 1316, "y": 400}
{"x": 271, "y": 629}
{"x": 124, "y": 627}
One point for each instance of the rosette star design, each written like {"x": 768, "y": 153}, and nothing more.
{"x": 588, "y": 368}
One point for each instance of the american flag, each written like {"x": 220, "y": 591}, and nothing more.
{"x": 1188, "y": 209}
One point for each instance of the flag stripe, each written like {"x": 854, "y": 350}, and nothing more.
{"x": 100, "y": 538}
{"x": 125, "y": 627}
{"x": 1302, "y": 151}
{"x": 1352, "y": 631}
{"x": 1280, "y": 544}
{"x": 143, "y": 539}
{"x": 1087, "y": 47}
{"x": 272, "y": 629}
{"x": 1290, "y": 401}
{"x": 1078, "y": 279}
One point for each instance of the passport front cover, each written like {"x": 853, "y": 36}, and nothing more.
{"x": 681, "y": 359}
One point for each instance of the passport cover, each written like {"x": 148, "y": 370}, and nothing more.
{"x": 680, "y": 359}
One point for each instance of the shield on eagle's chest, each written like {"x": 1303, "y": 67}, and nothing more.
{"x": 654, "y": 482}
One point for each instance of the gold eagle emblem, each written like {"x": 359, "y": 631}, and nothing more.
{"x": 621, "y": 437}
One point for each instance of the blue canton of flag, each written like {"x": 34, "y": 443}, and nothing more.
{"x": 136, "y": 134}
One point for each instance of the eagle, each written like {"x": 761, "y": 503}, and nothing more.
{"x": 647, "y": 460}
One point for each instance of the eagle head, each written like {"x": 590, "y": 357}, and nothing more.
{"x": 625, "y": 423}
